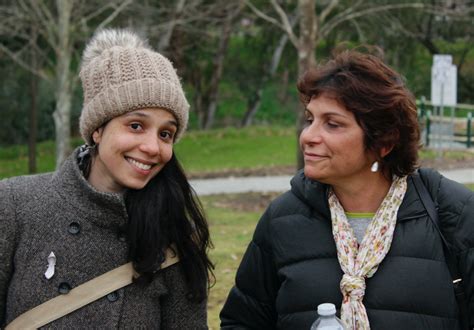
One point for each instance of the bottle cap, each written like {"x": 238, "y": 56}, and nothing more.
{"x": 326, "y": 309}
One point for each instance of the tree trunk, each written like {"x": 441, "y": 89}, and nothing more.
{"x": 198, "y": 108}
{"x": 62, "y": 113}
{"x": 307, "y": 39}
{"x": 252, "y": 108}
{"x": 218, "y": 66}
{"x": 33, "y": 117}
{"x": 283, "y": 89}
{"x": 306, "y": 56}
{"x": 255, "y": 101}
{"x": 165, "y": 39}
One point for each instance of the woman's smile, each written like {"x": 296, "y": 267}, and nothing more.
{"x": 314, "y": 157}
{"x": 140, "y": 164}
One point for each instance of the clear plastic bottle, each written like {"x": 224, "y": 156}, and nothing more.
{"x": 327, "y": 319}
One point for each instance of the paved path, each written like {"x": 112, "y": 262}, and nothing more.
{"x": 282, "y": 183}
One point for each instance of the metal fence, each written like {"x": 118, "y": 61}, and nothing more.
{"x": 448, "y": 127}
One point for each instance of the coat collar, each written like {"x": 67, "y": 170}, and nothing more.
{"x": 315, "y": 195}
{"x": 101, "y": 208}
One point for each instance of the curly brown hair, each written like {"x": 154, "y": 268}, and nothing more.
{"x": 375, "y": 93}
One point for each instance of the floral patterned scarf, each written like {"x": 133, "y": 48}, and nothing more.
{"x": 360, "y": 262}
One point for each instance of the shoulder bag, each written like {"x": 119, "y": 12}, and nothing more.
{"x": 451, "y": 259}
{"x": 80, "y": 296}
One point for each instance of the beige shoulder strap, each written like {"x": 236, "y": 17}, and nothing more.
{"x": 80, "y": 296}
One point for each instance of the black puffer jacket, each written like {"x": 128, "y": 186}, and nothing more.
{"x": 291, "y": 264}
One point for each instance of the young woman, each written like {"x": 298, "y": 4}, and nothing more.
{"x": 353, "y": 230}
{"x": 121, "y": 197}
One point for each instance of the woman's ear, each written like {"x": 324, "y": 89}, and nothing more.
{"x": 97, "y": 135}
{"x": 389, "y": 144}
{"x": 384, "y": 151}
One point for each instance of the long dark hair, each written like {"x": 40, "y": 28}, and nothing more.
{"x": 167, "y": 211}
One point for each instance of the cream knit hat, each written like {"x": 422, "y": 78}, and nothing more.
{"x": 121, "y": 73}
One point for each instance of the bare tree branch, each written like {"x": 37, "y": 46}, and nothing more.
{"x": 48, "y": 32}
{"x": 327, "y": 10}
{"x": 164, "y": 41}
{"x": 264, "y": 16}
{"x": 95, "y": 13}
{"x": 345, "y": 16}
{"x": 360, "y": 33}
{"x": 22, "y": 63}
{"x": 277, "y": 53}
{"x": 114, "y": 14}
{"x": 286, "y": 24}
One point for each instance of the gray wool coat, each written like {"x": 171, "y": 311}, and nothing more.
{"x": 60, "y": 212}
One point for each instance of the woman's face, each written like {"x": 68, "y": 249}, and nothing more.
{"x": 132, "y": 149}
{"x": 333, "y": 143}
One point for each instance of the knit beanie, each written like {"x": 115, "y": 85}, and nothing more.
{"x": 121, "y": 73}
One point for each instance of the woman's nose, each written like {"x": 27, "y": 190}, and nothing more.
{"x": 311, "y": 134}
{"x": 150, "y": 145}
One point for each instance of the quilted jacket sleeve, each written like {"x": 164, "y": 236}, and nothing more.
{"x": 251, "y": 302}
{"x": 7, "y": 243}
{"x": 456, "y": 213}
{"x": 464, "y": 243}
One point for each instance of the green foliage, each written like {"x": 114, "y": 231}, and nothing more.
{"x": 272, "y": 110}
{"x": 15, "y": 105}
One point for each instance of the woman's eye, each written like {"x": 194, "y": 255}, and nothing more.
{"x": 135, "y": 126}
{"x": 308, "y": 120}
{"x": 332, "y": 124}
{"x": 166, "y": 135}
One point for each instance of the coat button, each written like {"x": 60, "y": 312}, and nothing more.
{"x": 64, "y": 288}
{"x": 113, "y": 296}
{"x": 74, "y": 228}
{"x": 122, "y": 237}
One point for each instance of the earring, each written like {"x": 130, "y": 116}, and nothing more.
{"x": 375, "y": 167}
{"x": 84, "y": 155}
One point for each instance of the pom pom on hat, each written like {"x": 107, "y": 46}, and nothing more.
{"x": 121, "y": 73}
{"x": 106, "y": 39}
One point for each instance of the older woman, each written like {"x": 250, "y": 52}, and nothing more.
{"x": 353, "y": 230}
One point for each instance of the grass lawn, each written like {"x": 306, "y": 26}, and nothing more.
{"x": 217, "y": 150}
{"x": 14, "y": 159}
{"x": 231, "y": 230}
{"x": 231, "y": 148}
{"x": 431, "y": 154}
{"x": 198, "y": 151}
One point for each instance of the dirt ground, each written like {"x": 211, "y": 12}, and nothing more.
{"x": 247, "y": 202}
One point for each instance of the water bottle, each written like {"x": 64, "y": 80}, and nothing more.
{"x": 327, "y": 319}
